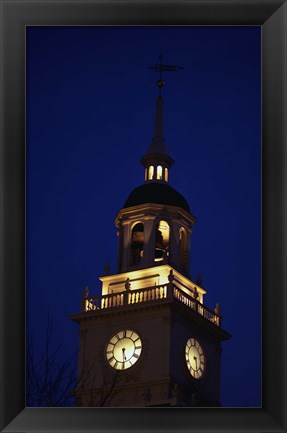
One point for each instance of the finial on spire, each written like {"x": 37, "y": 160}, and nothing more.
{"x": 161, "y": 67}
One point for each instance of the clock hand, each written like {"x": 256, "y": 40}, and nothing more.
{"x": 195, "y": 358}
{"x": 124, "y": 354}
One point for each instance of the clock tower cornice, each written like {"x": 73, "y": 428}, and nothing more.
{"x": 150, "y": 210}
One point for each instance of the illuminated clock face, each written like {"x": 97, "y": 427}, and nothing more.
{"x": 124, "y": 349}
{"x": 195, "y": 358}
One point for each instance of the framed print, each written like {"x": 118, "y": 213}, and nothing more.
{"x": 165, "y": 212}
{"x": 125, "y": 348}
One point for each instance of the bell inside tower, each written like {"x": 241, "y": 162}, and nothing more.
{"x": 137, "y": 244}
{"x": 162, "y": 241}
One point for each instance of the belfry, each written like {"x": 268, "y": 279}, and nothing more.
{"x": 148, "y": 339}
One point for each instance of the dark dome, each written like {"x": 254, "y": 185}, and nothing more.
{"x": 160, "y": 193}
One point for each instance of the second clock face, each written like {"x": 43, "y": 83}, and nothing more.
{"x": 195, "y": 358}
{"x": 123, "y": 349}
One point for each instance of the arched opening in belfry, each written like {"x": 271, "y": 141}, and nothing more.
{"x": 159, "y": 172}
{"x": 166, "y": 174}
{"x": 183, "y": 248}
{"x": 162, "y": 241}
{"x": 137, "y": 244}
{"x": 150, "y": 172}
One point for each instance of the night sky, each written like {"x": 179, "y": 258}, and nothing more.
{"x": 90, "y": 118}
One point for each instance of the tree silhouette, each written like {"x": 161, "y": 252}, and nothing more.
{"x": 53, "y": 382}
{"x": 49, "y": 380}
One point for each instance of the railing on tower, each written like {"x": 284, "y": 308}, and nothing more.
{"x": 155, "y": 293}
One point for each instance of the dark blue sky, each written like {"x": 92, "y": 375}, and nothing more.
{"x": 90, "y": 114}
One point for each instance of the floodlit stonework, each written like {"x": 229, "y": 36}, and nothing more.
{"x": 149, "y": 339}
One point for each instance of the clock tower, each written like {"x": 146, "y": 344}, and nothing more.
{"x": 149, "y": 340}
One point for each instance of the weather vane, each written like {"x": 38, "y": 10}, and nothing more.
{"x": 161, "y": 67}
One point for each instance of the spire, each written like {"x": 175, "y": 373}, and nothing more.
{"x": 158, "y": 143}
{"x": 157, "y": 152}
{"x": 157, "y": 160}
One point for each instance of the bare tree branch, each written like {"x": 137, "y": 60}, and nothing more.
{"x": 53, "y": 382}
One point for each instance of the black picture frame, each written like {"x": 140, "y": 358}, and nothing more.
{"x": 15, "y": 16}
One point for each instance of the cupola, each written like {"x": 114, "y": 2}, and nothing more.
{"x": 157, "y": 161}
{"x": 155, "y": 223}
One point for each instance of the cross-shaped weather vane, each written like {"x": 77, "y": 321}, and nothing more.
{"x": 161, "y": 67}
